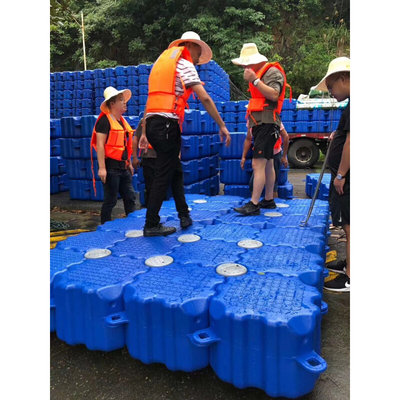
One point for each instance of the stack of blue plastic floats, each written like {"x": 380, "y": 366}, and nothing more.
{"x": 81, "y": 93}
{"x": 58, "y": 177}
{"x": 311, "y": 185}
{"x": 241, "y": 294}
{"x": 309, "y": 121}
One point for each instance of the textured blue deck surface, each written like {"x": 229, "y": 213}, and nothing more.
{"x": 259, "y": 328}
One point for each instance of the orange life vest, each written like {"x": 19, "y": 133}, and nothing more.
{"x": 162, "y": 97}
{"x": 278, "y": 144}
{"x": 258, "y": 101}
{"x": 116, "y": 141}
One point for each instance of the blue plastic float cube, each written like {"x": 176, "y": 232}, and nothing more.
{"x": 282, "y": 316}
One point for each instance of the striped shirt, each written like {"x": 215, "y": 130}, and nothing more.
{"x": 186, "y": 71}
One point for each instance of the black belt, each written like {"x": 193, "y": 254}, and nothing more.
{"x": 163, "y": 118}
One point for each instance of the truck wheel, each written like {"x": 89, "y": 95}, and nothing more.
{"x": 303, "y": 153}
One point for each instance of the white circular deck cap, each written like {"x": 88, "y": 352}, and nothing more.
{"x": 273, "y": 214}
{"x": 159, "y": 261}
{"x": 200, "y": 201}
{"x": 189, "y": 238}
{"x": 133, "y": 233}
{"x": 250, "y": 244}
{"x": 97, "y": 253}
{"x": 282, "y": 205}
{"x": 231, "y": 269}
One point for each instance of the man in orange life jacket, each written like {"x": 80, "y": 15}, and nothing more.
{"x": 112, "y": 140}
{"x": 267, "y": 84}
{"x": 172, "y": 80}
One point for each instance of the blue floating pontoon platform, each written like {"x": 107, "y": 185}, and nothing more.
{"x": 241, "y": 294}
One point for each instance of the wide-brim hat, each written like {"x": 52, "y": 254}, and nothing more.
{"x": 110, "y": 92}
{"x": 340, "y": 64}
{"x": 206, "y": 53}
{"x": 249, "y": 55}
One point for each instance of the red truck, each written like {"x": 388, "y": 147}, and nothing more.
{"x": 309, "y": 121}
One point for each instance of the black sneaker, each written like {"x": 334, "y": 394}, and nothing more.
{"x": 338, "y": 267}
{"x": 340, "y": 284}
{"x": 159, "y": 230}
{"x": 248, "y": 209}
{"x": 186, "y": 222}
{"x": 267, "y": 203}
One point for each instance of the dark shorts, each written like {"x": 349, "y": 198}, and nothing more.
{"x": 339, "y": 204}
{"x": 265, "y": 137}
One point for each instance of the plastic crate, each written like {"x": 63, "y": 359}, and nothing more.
{"x": 190, "y": 148}
{"x": 231, "y": 172}
{"x": 81, "y": 169}
{"x": 311, "y": 185}
{"x": 55, "y": 128}
{"x": 89, "y": 289}
{"x": 191, "y": 124}
{"x": 76, "y": 148}
{"x": 190, "y": 171}
{"x": 55, "y": 147}
{"x": 285, "y": 191}
{"x": 235, "y": 149}
{"x": 282, "y": 316}
{"x": 168, "y": 300}
{"x": 237, "y": 190}
{"x": 57, "y": 166}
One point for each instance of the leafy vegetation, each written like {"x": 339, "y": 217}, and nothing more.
{"x": 304, "y": 35}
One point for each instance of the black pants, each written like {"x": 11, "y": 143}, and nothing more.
{"x": 117, "y": 180}
{"x": 165, "y": 136}
{"x": 149, "y": 167}
{"x": 339, "y": 204}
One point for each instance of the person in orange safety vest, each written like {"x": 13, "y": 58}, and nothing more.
{"x": 112, "y": 140}
{"x": 172, "y": 80}
{"x": 267, "y": 84}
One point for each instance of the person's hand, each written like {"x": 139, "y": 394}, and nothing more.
{"x": 249, "y": 75}
{"x": 339, "y": 185}
{"x": 102, "y": 173}
{"x": 332, "y": 135}
{"x": 284, "y": 161}
{"x": 135, "y": 162}
{"x": 130, "y": 169}
{"x": 143, "y": 143}
{"x": 224, "y": 132}
{"x": 242, "y": 161}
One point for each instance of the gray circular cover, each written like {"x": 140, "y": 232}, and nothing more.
{"x": 231, "y": 269}
{"x": 273, "y": 214}
{"x": 200, "y": 201}
{"x": 159, "y": 261}
{"x": 97, "y": 253}
{"x": 133, "y": 233}
{"x": 250, "y": 244}
{"x": 189, "y": 238}
{"x": 282, "y": 205}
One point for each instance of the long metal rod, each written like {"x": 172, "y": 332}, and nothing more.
{"x": 304, "y": 223}
{"x": 83, "y": 41}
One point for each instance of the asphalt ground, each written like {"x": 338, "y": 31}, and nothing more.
{"x": 78, "y": 373}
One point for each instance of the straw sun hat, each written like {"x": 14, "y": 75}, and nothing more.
{"x": 206, "y": 53}
{"x": 249, "y": 55}
{"x": 111, "y": 92}
{"x": 340, "y": 64}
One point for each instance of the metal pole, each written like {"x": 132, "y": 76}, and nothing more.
{"x": 304, "y": 223}
{"x": 83, "y": 41}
